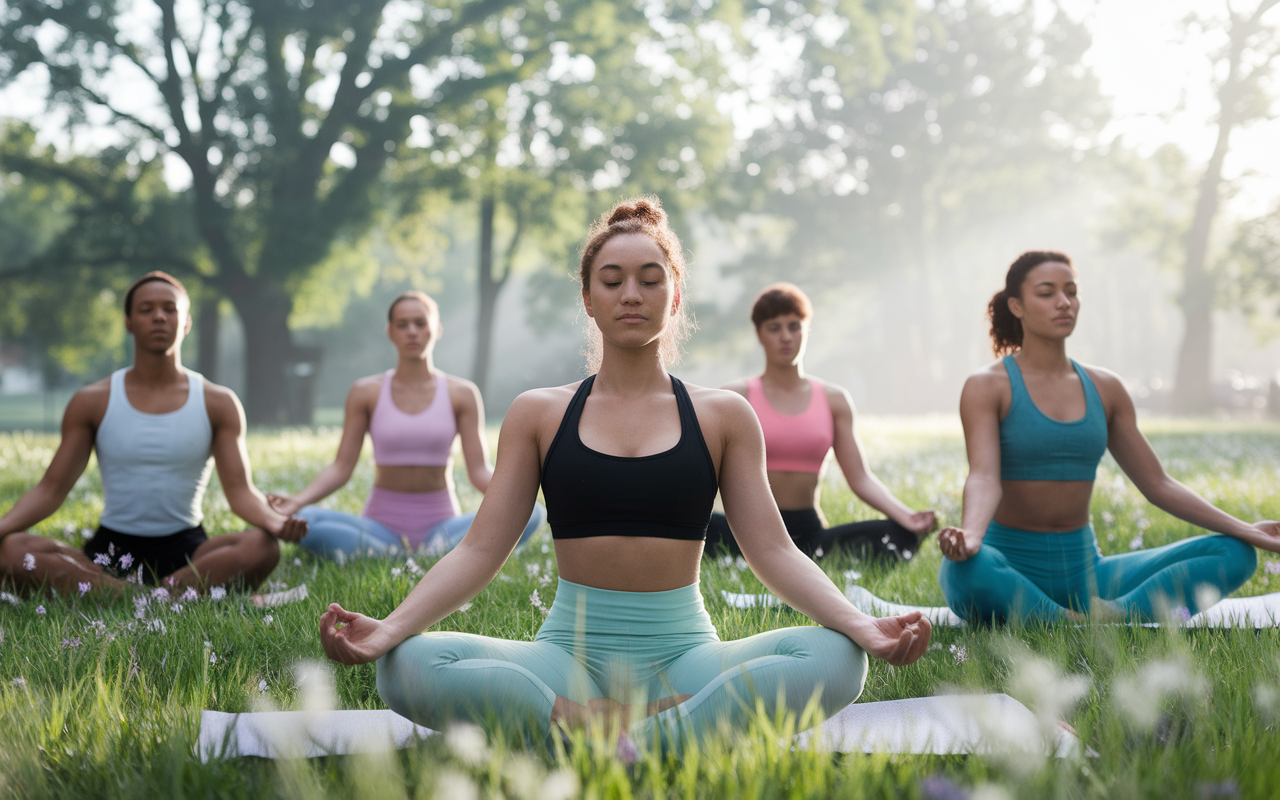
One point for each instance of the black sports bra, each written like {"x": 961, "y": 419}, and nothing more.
{"x": 667, "y": 495}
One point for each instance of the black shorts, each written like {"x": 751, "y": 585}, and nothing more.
{"x": 158, "y": 556}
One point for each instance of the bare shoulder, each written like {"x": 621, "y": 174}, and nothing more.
{"x": 461, "y": 388}
{"x": 1109, "y": 385}
{"x": 718, "y": 404}
{"x": 89, "y": 403}
{"x": 737, "y": 387}
{"x": 535, "y": 405}
{"x": 991, "y": 378}
{"x": 838, "y": 397}
{"x": 222, "y": 404}
{"x": 365, "y": 390}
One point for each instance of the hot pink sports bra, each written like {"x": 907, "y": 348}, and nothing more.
{"x": 413, "y": 440}
{"x": 795, "y": 442}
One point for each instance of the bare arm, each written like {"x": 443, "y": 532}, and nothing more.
{"x": 862, "y": 481}
{"x": 980, "y": 416}
{"x": 469, "y": 409}
{"x": 232, "y": 460}
{"x": 355, "y": 424}
{"x": 79, "y": 423}
{"x": 786, "y": 571}
{"x": 465, "y": 570}
{"x": 1133, "y": 453}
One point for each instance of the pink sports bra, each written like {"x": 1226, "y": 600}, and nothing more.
{"x": 794, "y": 442}
{"x": 413, "y": 440}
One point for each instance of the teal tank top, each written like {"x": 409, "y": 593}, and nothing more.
{"x": 1035, "y": 447}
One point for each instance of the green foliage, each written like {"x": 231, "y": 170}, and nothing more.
{"x": 117, "y": 714}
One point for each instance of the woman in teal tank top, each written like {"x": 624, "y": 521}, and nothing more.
{"x": 1036, "y": 424}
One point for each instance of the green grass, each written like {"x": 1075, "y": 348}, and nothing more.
{"x": 117, "y": 714}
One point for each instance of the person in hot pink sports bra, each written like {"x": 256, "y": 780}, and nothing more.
{"x": 803, "y": 419}
{"x": 412, "y": 413}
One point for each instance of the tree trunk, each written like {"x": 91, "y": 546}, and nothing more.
{"x": 208, "y": 325}
{"x": 1192, "y": 388}
{"x": 489, "y": 287}
{"x": 269, "y": 354}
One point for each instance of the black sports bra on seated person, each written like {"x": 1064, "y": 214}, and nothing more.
{"x": 667, "y": 495}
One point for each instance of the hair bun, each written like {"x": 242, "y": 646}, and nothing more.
{"x": 647, "y": 210}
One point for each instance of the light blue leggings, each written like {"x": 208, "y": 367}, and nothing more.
{"x": 633, "y": 647}
{"x": 1020, "y": 575}
{"x": 337, "y": 535}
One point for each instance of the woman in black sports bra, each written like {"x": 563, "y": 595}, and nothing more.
{"x": 629, "y": 461}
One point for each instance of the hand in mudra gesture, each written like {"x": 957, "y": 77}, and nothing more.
{"x": 351, "y": 638}
{"x": 899, "y": 640}
{"x": 958, "y": 544}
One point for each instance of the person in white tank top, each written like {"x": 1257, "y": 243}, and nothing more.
{"x": 156, "y": 427}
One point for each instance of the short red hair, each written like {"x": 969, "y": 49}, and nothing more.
{"x": 779, "y": 299}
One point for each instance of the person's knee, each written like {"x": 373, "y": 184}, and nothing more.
{"x": 970, "y": 587}
{"x": 16, "y": 557}
{"x": 262, "y": 550}
{"x": 1240, "y": 559}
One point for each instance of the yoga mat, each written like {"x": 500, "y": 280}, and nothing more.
{"x": 947, "y": 724}
{"x": 1260, "y": 611}
{"x": 940, "y": 725}
{"x": 285, "y": 734}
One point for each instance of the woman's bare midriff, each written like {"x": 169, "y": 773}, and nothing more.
{"x": 412, "y": 479}
{"x": 793, "y": 491}
{"x": 629, "y": 563}
{"x": 1044, "y": 506}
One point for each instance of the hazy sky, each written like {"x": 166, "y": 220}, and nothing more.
{"x": 1159, "y": 85}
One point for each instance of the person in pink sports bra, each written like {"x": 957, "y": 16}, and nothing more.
{"x": 412, "y": 413}
{"x": 803, "y": 419}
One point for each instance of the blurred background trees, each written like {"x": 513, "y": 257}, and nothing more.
{"x": 297, "y": 162}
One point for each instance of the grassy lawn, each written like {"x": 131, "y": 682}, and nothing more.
{"x": 103, "y": 699}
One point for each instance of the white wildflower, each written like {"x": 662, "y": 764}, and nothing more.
{"x": 102, "y": 560}
{"x": 533, "y": 569}
{"x": 126, "y": 561}
{"x": 176, "y": 608}
{"x": 20, "y": 682}
{"x": 297, "y": 562}
{"x": 1140, "y": 696}
{"x": 267, "y": 620}
{"x": 84, "y": 587}
{"x": 160, "y": 593}
{"x": 851, "y": 575}
{"x": 40, "y": 610}
{"x": 262, "y": 686}
{"x": 11, "y": 599}
{"x": 28, "y": 562}
{"x": 960, "y": 653}
{"x": 217, "y": 593}
{"x": 1136, "y": 542}
{"x": 396, "y": 572}
{"x": 189, "y": 595}
{"x": 559, "y": 785}
{"x": 740, "y": 563}
{"x": 467, "y": 742}
{"x": 456, "y": 786}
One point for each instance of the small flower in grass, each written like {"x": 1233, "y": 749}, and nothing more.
{"x": 176, "y": 608}
{"x": 86, "y": 533}
{"x": 1273, "y": 567}
{"x": 20, "y": 682}
{"x": 726, "y": 561}
{"x": 97, "y": 626}
{"x": 852, "y": 575}
{"x": 84, "y": 587}
{"x": 66, "y": 643}
{"x": 156, "y": 624}
{"x": 740, "y": 563}
{"x": 40, "y": 610}
{"x": 960, "y": 653}
{"x": 1136, "y": 542}
{"x": 217, "y": 593}
{"x": 467, "y": 742}
{"x": 102, "y": 560}
{"x": 189, "y": 595}
{"x": 268, "y": 619}
{"x": 160, "y": 593}
{"x": 28, "y": 562}
{"x": 536, "y": 602}
{"x": 396, "y": 572}
{"x": 412, "y": 566}
{"x": 111, "y": 550}
{"x": 297, "y": 562}
{"x": 213, "y": 658}
{"x": 533, "y": 569}
{"x": 126, "y": 561}
{"x": 262, "y": 686}
{"x": 11, "y": 599}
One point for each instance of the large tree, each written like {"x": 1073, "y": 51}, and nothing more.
{"x": 1243, "y": 65}
{"x": 286, "y": 113}
{"x": 885, "y": 166}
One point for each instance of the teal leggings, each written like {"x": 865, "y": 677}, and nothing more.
{"x": 1020, "y": 575}
{"x": 629, "y": 646}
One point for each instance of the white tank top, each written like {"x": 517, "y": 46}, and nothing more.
{"x": 154, "y": 466}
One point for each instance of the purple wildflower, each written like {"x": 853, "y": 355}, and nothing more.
{"x": 126, "y": 561}
{"x": 84, "y": 587}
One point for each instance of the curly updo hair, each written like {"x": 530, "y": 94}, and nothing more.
{"x": 1006, "y": 329}
{"x": 778, "y": 299}
{"x": 643, "y": 214}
